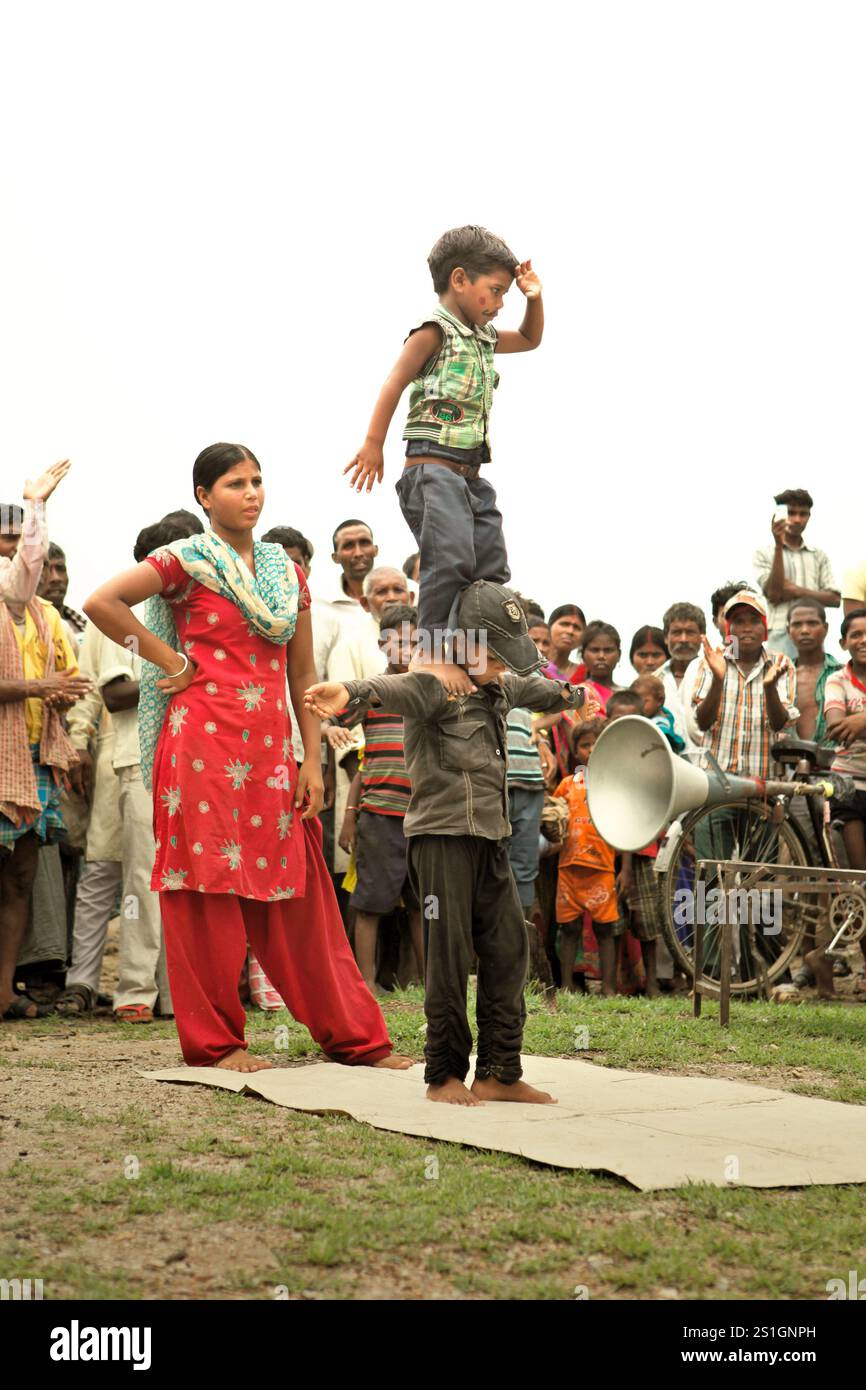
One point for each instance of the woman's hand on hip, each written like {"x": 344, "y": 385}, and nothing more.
{"x": 174, "y": 684}
{"x": 311, "y": 787}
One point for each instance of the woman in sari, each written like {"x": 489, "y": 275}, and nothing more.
{"x": 238, "y": 845}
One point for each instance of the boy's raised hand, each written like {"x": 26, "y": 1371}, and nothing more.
{"x": 527, "y": 280}
{"x": 368, "y": 465}
{"x": 326, "y": 698}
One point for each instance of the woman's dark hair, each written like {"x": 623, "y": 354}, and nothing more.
{"x": 648, "y": 636}
{"x": 216, "y": 460}
{"x": 597, "y": 629}
{"x": 566, "y": 610}
{"x": 475, "y": 249}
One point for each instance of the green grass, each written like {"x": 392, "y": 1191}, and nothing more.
{"x": 246, "y": 1197}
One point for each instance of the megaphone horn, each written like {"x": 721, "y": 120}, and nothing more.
{"x": 635, "y": 784}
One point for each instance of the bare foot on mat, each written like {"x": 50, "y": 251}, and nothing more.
{"x": 396, "y": 1062}
{"x": 452, "y": 1092}
{"x": 240, "y": 1060}
{"x": 491, "y": 1089}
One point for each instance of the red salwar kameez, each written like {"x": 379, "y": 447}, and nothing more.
{"x": 234, "y": 861}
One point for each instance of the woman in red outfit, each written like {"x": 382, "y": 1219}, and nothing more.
{"x": 238, "y": 845}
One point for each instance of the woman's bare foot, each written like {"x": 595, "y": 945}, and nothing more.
{"x": 453, "y": 1092}
{"x": 396, "y": 1062}
{"x": 491, "y": 1089}
{"x": 240, "y": 1060}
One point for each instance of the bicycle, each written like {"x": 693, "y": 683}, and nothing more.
{"x": 739, "y": 891}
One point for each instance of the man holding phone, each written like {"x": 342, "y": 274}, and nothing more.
{"x": 791, "y": 569}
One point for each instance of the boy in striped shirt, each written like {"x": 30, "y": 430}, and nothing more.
{"x": 377, "y": 802}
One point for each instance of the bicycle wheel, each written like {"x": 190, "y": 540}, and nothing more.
{"x": 769, "y": 923}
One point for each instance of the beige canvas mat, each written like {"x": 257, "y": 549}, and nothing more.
{"x": 655, "y": 1131}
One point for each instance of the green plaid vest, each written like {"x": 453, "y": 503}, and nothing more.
{"x": 451, "y": 398}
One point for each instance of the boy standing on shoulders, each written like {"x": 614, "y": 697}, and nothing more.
{"x": 457, "y": 826}
{"x": 448, "y": 358}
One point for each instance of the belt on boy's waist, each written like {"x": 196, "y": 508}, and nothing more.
{"x": 466, "y": 470}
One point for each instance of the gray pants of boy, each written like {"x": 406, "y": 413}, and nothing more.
{"x": 458, "y": 530}
{"x": 470, "y": 905}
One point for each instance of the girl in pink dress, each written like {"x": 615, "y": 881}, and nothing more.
{"x": 238, "y": 845}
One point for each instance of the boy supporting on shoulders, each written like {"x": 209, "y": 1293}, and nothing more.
{"x": 378, "y": 799}
{"x": 457, "y": 825}
{"x": 448, "y": 357}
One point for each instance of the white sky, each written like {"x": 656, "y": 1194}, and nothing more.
{"x": 215, "y": 226}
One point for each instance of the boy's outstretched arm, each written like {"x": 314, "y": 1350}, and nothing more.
{"x": 414, "y": 693}
{"x": 369, "y": 463}
{"x": 531, "y": 331}
{"x": 538, "y": 693}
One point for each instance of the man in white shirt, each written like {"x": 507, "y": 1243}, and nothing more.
{"x": 355, "y": 553}
{"x": 791, "y": 569}
{"x": 684, "y": 624}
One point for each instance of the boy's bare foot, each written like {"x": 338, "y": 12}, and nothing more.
{"x": 453, "y": 1092}
{"x": 396, "y": 1062}
{"x": 491, "y": 1089}
{"x": 240, "y": 1060}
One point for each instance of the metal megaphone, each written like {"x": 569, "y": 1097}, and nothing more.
{"x": 635, "y": 784}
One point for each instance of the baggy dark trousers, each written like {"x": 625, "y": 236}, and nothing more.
{"x": 458, "y": 530}
{"x": 470, "y": 905}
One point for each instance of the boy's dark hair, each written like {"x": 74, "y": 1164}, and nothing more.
{"x": 352, "y": 521}
{"x": 808, "y": 603}
{"x": 849, "y": 619}
{"x": 530, "y": 607}
{"x": 11, "y": 519}
{"x": 648, "y": 634}
{"x": 794, "y": 497}
{"x": 395, "y": 614}
{"x": 597, "y": 629}
{"x": 719, "y": 598}
{"x": 533, "y": 610}
{"x": 624, "y": 697}
{"x": 537, "y": 620}
{"x": 175, "y": 526}
{"x": 475, "y": 249}
{"x": 410, "y": 562}
{"x": 566, "y": 610}
{"x": 684, "y": 613}
{"x": 290, "y": 539}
